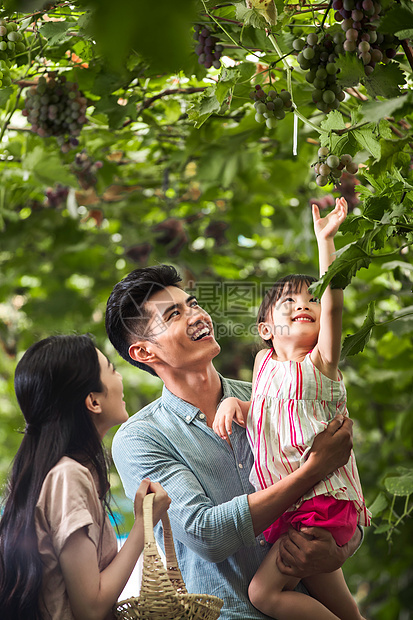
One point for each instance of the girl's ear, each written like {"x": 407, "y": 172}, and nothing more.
{"x": 265, "y": 331}
{"x": 92, "y": 403}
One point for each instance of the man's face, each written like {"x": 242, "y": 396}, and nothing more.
{"x": 182, "y": 332}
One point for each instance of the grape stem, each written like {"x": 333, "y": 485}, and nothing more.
{"x": 326, "y": 13}
{"x": 289, "y": 85}
{"x": 214, "y": 19}
{"x": 408, "y": 51}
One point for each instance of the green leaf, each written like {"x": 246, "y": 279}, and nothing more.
{"x": 379, "y": 504}
{"x": 368, "y": 141}
{"x": 375, "y": 110}
{"x": 55, "y": 32}
{"x": 348, "y": 261}
{"x": 382, "y": 529}
{"x": 5, "y": 94}
{"x": 375, "y": 206}
{"x": 47, "y": 167}
{"x": 351, "y": 70}
{"x": 385, "y": 81}
{"x": 250, "y": 17}
{"x": 356, "y": 342}
{"x": 333, "y": 121}
{"x": 401, "y": 485}
{"x": 397, "y": 19}
{"x": 207, "y": 105}
{"x": 391, "y": 156}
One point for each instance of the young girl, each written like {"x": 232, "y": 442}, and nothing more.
{"x": 58, "y": 551}
{"x": 297, "y": 390}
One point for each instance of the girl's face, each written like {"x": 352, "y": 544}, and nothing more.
{"x": 113, "y": 409}
{"x": 294, "y": 315}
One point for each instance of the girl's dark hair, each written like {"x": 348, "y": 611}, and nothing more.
{"x": 284, "y": 286}
{"x": 52, "y": 381}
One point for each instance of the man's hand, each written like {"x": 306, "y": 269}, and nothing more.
{"x": 331, "y": 448}
{"x": 313, "y": 550}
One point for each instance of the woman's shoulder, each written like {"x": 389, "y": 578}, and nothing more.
{"x": 68, "y": 470}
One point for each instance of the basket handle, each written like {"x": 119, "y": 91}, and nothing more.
{"x": 172, "y": 566}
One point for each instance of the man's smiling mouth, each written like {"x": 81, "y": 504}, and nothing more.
{"x": 200, "y": 332}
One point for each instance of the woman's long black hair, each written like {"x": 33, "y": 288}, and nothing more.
{"x": 52, "y": 381}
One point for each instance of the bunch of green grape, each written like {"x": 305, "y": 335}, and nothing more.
{"x": 56, "y": 107}
{"x": 317, "y": 55}
{"x": 329, "y": 167}
{"x": 270, "y": 106}
{"x": 11, "y": 44}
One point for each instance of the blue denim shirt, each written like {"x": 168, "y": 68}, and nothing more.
{"x": 169, "y": 442}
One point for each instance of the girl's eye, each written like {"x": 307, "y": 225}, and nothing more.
{"x": 194, "y": 303}
{"x": 315, "y": 300}
{"x": 174, "y": 313}
{"x": 288, "y": 300}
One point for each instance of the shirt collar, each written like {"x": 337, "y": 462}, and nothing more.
{"x": 185, "y": 410}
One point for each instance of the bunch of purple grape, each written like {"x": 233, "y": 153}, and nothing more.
{"x": 56, "y": 195}
{"x": 329, "y": 168}
{"x": 208, "y": 50}
{"x": 55, "y": 107}
{"x": 317, "y": 55}
{"x": 359, "y": 21}
{"x": 271, "y": 106}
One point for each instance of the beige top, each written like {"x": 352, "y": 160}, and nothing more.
{"x": 69, "y": 501}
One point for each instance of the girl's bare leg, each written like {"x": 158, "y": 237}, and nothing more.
{"x": 331, "y": 590}
{"x": 272, "y": 593}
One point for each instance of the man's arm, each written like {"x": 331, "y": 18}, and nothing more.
{"x": 331, "y": 450}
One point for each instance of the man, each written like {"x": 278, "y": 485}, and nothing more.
{"x": 217, "y": 519}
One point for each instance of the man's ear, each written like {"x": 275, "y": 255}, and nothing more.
{"x": 265, "y": 331}
{"x": 142, "y": 352}
{"x": 92, "y": 403}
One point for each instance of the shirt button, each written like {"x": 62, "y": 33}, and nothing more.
{"x": 201, "y": 416}
{"x": 240, "y": 465}
{"x": 188, "y": 418}
{"x": 262, "y": 543}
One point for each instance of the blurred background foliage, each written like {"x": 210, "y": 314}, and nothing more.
{"x": 171, "y": 166}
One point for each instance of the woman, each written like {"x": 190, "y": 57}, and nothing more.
{"x": 58, "y": 552}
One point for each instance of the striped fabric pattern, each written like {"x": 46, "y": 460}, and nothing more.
{"x": 292, "y": 402}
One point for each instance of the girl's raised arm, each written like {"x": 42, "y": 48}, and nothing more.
{"x": 327, "y": 353}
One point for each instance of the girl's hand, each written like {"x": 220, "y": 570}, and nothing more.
{"x": 228, "y": 410}
{"x": 327, "y": 227}
{"x": 161, "y": 501}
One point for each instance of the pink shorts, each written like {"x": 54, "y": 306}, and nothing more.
{"x": 337, "y": 516}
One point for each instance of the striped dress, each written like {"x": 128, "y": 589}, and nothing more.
{"x": 291, "y": 403}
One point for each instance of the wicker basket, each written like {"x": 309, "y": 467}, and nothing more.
{"x": 163, "y": 594}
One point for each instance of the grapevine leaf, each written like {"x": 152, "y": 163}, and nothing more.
{"x": 391, "y": 156}
{"x": 367, "y": 140}
{"x": 47, "y": 167}
{"x": 348, "y": 261}
{"x": 351, "y": 70}
{"x": 382, "y": 529}
{"x": 356, "y": 342}
{"x": 55, "y": 32}
{"x": 379, "y": 505}
{"x": 400, "y": 485}
{"x": 207, "y": 105}
{"x": 356, "y": 225}
{"x": 333, "y": 121}
{"x": 5, "y": 94}
{"x": 385, "y": 81}
{"x": 375, "y": 206}
{"x": 250, "y": 17}
{"x": 405, "y": 34}
{"x": 375, "y": 110}
{"x": 396, "y": 19}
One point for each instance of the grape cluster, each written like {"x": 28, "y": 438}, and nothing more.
{"x": 85, "y": 168}
{"x": 317, "y": 56}
{"x": 329, "y": 168}
{"x": 271, "y": 106}
{"x": 57, "y": 108}
{"x": 359, "y": 20}
{"x": 208, "y": 50}
{"x": 55, "y": 196}
{"x": 11, "y": 43}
